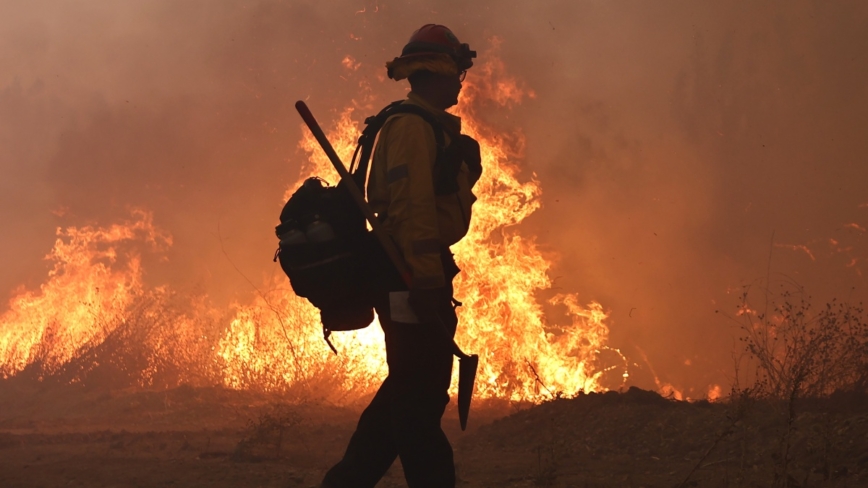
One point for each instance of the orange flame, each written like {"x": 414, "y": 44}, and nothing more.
{"x": 82, "y": 299}
{"x": 522, "y": 357}
{"x": 275, "y": 342}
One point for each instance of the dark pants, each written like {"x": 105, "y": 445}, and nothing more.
{"x": 403, "y": 419}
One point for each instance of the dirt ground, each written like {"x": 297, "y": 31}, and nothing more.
{"x": 54, "y": 435}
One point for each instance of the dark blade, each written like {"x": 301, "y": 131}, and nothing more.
{"x": 466, "y": 377}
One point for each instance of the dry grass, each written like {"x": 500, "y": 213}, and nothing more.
{"x": 267, "y": 434}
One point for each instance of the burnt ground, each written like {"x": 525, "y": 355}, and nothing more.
{"x": 53, "y": 436}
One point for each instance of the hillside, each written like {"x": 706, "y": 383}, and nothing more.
{"x": 52, "y": 435}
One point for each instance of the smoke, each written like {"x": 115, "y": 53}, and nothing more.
{"x": 684, "y": 149}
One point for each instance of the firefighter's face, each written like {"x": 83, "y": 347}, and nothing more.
{"x": 439, "y": 89}
{"x": 455, "y": 86}
{"x": 449, "y": 87}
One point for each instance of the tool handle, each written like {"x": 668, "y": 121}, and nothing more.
{"x": 355, "y": 192}
{"x": 387, "y": 243}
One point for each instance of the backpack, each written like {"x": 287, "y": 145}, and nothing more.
{"x": 325, "y": 249}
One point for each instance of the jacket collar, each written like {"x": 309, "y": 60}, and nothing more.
{"x": 451, "y": 122}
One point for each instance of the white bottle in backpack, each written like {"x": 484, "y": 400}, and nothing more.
{"x": 293, "y": 237}
{"x": 319, "y": 231}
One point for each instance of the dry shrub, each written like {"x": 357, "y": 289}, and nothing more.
{"x": 266, "y": 435}
{"x": 150, "y": 343}
{"x": 798, "y": 351}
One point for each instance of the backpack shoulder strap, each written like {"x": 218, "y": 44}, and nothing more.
{"x": 373, "y": 124}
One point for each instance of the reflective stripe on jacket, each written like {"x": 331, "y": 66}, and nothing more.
{"x": 401, "y": 185}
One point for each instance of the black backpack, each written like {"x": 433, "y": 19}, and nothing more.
{"x": 325, "y": 249}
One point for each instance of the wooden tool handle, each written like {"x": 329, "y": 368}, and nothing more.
{"x": 356, "y": 193}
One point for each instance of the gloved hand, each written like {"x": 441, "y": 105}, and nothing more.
{"x": 428, "y": 302}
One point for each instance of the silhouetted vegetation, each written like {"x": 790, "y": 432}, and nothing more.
{"x": 808, "y": 366}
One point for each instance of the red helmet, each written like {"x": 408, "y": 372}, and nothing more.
{"x": 434, "y": 39}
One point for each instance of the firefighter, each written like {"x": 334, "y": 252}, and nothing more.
{"x": 421, "y": 192}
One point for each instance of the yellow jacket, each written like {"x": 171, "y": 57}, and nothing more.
{"x": 401, "y": 185}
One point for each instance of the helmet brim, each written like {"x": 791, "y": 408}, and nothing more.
{"x": 404, "y": 66}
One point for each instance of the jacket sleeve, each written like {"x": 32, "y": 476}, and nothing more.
{"x": 411, "y": 151}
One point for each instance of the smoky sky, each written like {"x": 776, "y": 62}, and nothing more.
{"x": 685, "y": 149}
